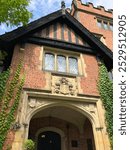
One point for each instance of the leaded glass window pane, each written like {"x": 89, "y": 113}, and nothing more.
{"x": 73, "y": 65}
{"x": 49, "y": 61}
{"x": 61, "y": 63}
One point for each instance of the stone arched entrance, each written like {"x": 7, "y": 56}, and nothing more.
{"x": 72, "y": 126}
{"x": 83, "y": 118}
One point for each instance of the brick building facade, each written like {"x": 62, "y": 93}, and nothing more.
{"x": 60, "y": 107}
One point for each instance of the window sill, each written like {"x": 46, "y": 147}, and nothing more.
{"x": 62, "y": 73}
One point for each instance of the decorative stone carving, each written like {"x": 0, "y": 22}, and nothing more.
{"x": 85, "y": 106}
{"x": 92, "y": 108}
{"x": 32, "y": 103}
{"x": 16, "y": 126}
{"x": 64, "y": 85}
{"x": 88, "y": 107}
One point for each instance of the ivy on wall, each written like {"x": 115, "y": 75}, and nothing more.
{"x": 3, "y": 80}
{"x": 105, "y": 87}
{"x": 10, "y": 92}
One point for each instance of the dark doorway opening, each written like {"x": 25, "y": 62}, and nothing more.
{"x": 49, "y": 140}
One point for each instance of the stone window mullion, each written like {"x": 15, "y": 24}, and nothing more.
{"x": 67, "y": 64}
{"x": 62, "y": 63}
{"x": 56, "y": 62}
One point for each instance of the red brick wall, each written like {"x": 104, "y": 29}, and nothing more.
{"x": 91, "y": 24}
{"x": 35, "y": 76}
{"x": 91, "y": 8}
{"x": 9, "y": 140}
{"x": 73, "y": 132}
{"x": 87, "y": 16}
{"x": 89, "y": 81}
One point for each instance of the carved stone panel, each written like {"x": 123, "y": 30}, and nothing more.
{"x": 64, "y": 85}
{"x": 32, "y": 102}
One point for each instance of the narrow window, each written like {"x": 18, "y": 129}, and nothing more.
{"x": 105, "y": 26}
{"x": 61, "y": 63}
{"x": 99, "y": 23}
{"x": 49, "y": 61}
{"x": 111, "y": 27}
{"x": 73, "y": 65}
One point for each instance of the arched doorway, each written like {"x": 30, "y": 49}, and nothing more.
{"x": 76, "y": 128}
{"x": 78, "y": 124}
{"x": 49, "y": 140}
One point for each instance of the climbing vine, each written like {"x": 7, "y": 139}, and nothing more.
{"x": 105, "y": 87}
{"x": 9, "y": 98}
{"x": 3, "y": 80}
{"x": 3, "y": 76}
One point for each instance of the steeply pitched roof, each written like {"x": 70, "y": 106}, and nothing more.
{"x": 11, "y": 38}
{"x": 21, "y": 31}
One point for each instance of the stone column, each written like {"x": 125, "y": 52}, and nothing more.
{"x": 18, "y": 140}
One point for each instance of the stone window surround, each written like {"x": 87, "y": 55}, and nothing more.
{"x": 67, "y": 54}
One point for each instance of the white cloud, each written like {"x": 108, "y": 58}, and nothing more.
{"x": 108, "y": 4}
{"x": 3, "y": 27}
{"x": 41, "y": 8}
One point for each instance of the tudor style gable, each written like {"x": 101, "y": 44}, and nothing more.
{"x": 59, "y": 30}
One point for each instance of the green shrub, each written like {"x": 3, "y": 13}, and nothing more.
{"x": 29, "y": 145}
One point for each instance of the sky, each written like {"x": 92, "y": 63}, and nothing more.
{"x": 40, "y": 8}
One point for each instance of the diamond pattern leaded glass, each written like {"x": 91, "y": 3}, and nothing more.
{"x": 61, "y": 62}
{"x": 49, "y": 61}
{"x": 73, "y": 65}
